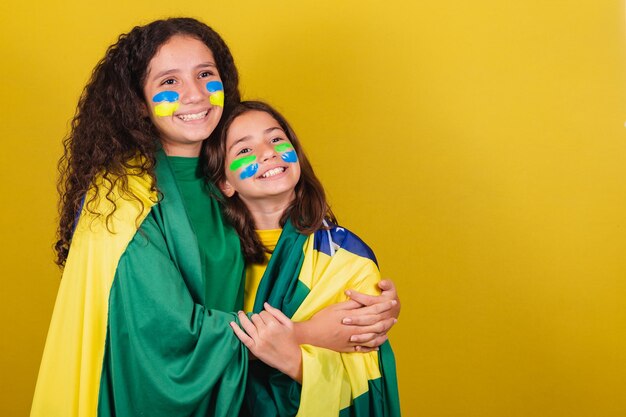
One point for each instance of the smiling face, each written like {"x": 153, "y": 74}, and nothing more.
{"x": 261, "y": 164}
{"x": 184, "y": 94}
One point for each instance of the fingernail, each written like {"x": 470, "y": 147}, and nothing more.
{"x": 347, "y": 320}
{"x": 395, "y": 321}
{"x": 348, "y": 293}
{"x": 394, "y": 302}
{"x": 352, "y": 338}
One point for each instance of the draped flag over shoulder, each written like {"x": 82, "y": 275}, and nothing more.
{"x": 304, "y": 275}
{"x": 130, "y": 334}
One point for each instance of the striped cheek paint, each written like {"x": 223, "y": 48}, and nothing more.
{"x": 288, "y": 153}
{"x": 167, "y": 103}
{"x": 216, "y": 93}
{"x": 249, "y": 164}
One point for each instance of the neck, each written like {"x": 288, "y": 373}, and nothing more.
{"x": 267, "y": 212}
{"x": 187, "y": 150}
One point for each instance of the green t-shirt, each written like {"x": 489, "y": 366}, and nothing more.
{"x": 218, "y": 242}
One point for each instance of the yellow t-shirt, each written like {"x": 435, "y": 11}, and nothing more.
{"x": 254, "y": 272}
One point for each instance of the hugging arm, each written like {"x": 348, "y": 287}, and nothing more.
{"x": 341, "y": 379}
{"x": 359, "y": 324}
{"x": 166, "y": 353}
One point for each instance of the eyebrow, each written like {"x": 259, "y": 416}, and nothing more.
{"x": 248, "y": 137}
{"x": 174, "y": 70}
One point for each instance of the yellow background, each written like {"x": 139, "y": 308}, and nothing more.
{"x": 478, "y": 146}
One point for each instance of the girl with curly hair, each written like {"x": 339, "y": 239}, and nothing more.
{"x": 152, "y": 271}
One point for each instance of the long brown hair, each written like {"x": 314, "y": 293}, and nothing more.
{"x": 307, "y": 211}
{"x": 110, "y": 128}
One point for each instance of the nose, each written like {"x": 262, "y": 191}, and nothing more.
{"x": 267, "y": 152}
{"x": 193, "y": 92}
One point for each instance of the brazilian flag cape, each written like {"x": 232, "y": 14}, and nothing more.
{"x": 130, "y": 335}
{"x": 304, "y": 275}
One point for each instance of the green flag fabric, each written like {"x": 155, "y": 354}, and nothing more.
{"x": 304, "y": 275}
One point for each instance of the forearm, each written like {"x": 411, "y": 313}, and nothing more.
{"x": 347, "y": 326}
{"x": 306, "y": 333}
{"x": 293, "y": 368}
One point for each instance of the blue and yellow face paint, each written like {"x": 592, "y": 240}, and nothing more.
{"x": 167, "y": 103}
{"x": 216, "y": 93}
{"x": 289, "y": 154}
{"x": 251, "y": 167}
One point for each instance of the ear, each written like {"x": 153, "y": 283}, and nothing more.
{"x": 227, "y": 189}
{"x": 143, "y": 108}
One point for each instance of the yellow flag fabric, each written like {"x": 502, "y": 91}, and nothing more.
{"x": 330, "y": 262}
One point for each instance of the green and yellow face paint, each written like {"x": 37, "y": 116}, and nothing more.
{"x": 216, "y": 93}
{"x": 167, "y": 103}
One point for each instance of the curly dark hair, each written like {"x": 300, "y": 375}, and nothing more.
{"x": 309, "y": 208}
{"x": 110, "y": 128}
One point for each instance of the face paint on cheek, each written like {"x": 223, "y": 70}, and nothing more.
{"x": 250, "y": 169}
{"x": 167, "y": 103}
{"x": 216, "y": 93}
{"x": 217, "y": 99}
{"x": 289, "y": 154}
{"x": 290, "y": 157}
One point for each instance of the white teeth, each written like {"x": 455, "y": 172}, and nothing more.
{"x": 188, "y": 117}
{"x": 273, "y": 172}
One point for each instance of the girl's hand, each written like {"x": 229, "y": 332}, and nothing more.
{"x": 360, "y": 324}
{"x": 378, "y": 315}
{"x": 270, "y": 337}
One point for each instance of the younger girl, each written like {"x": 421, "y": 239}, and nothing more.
{"x": 270, "y": 186}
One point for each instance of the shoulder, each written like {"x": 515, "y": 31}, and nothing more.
{"x": 132, "y": 184}
{"x": 329, "y": 241}
{"x": 115, "y": 199}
